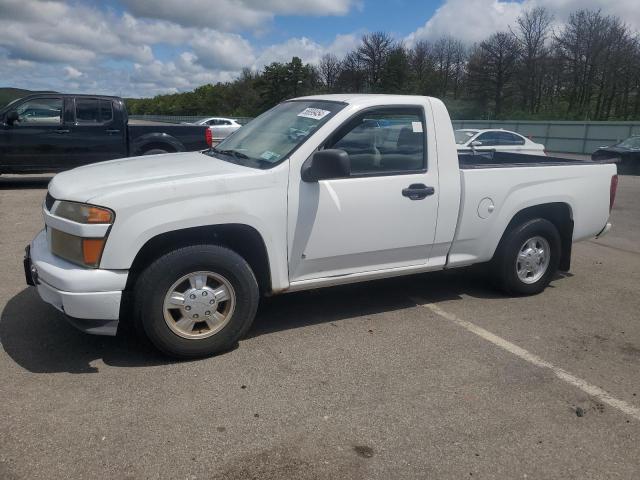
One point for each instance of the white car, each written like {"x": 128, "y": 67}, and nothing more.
{"x": 220, "y": 127}
{"x": 317, "y": 191}
{"x": 496, "y": 139}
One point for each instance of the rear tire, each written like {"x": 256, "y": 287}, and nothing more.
{"x": 196, "y": 301}
{"x": 528, "y": 257}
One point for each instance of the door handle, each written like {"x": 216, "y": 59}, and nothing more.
{"x": 62, "y": 130}
{"x": 417, "y": 191}
{"x": 112, "y": 131}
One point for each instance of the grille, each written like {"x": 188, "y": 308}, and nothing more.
{"x": 48, "y": 201}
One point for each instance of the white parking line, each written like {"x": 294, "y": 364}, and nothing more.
{"x": 571, "y": 379}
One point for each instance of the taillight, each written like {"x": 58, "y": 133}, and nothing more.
{"x": 208, "y": 136}
{"x": 612, "y": 191}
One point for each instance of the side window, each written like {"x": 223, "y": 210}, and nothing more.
{"x": 507, "y": 138}
{"x": 489, "y": 139}
{"x": 106, "y": 111}
{"x": 384, "y": 141}
{"x": 40, "y": 111}
{"x": 87, "y": 111}
{"x": 91, "y": 111}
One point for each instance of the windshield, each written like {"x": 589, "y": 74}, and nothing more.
{"x": 271, "y": 137}
{"x": 463, "y": 136}
{"x": 631, "y": 142}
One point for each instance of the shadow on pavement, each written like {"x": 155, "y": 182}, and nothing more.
{"x": 348, "y": 301}
{"x": 24, "y": 182}
{"x": 38, "y": 338}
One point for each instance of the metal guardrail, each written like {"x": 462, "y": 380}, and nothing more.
{"x": 556, "y": 136}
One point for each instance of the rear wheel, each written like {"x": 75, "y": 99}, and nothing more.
{"x": 528, "y": 257}
{"x": 196, "y": 301}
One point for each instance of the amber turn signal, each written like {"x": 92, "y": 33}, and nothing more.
{"x": 92, "y": 250}
{"x": 98, "y": 215}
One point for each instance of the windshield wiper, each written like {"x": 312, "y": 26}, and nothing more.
{"x": 233, "y": 153}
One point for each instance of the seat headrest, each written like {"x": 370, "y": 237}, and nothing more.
{"x": 409, "y": 140}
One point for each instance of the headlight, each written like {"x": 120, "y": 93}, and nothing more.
{"x": 82, "y": 213}
{"x": 76, "y": 249}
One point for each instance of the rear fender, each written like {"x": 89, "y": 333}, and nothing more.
{"x": 157, "y": 139}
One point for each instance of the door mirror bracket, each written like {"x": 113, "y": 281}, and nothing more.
{"x": 12, "y": 117}
{"x": 325, "y": 165}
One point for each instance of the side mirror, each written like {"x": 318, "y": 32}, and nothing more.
{"x": 12, "y": 117}
{"x": 476, "y": 143}
{"x": 325, "y": 165}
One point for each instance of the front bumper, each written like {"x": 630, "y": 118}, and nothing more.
{"x": 89, "y": 297}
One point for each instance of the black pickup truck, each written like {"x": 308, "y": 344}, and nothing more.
{"x": 51, "y": 132}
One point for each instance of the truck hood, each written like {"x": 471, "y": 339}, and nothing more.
{"x": 117, "y": 177}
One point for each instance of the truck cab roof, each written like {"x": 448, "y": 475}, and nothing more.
{"x": 367, "y": 98}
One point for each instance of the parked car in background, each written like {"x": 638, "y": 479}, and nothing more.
{"x": 53, "y": 132}
{"x": 318, "y": 191}
{"x": 220, "y": 127}
{"x": 496, "y": 139}
{"x": 628, "y": 151}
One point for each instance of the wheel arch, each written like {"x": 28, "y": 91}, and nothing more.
{"x": 242, "y": 239}
{"x": 156, "y": 140}
{"x": 558, "y": 213}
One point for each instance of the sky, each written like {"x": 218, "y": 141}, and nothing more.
{"x": 141, "y": 48}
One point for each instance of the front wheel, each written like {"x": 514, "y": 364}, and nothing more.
{"x": 528, "y": 257}
{"x": 196, "y": 301}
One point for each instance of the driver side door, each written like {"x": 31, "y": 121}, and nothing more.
{"x": 368, "y": 221}
{"x": 38, "y": 140}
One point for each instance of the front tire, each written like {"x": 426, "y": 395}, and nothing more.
{"x": 528, "y": 257}
{"x": 196, "y": 301}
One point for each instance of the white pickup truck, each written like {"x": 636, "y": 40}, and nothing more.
{"x": 317, "y": 191}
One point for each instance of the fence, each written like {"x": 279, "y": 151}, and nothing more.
{"x": 182, "y": 118}
{"x": 556, "y": 136}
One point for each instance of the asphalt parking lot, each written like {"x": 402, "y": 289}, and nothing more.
{"x": 431, "y": 376}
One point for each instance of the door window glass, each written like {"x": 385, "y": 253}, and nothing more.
{"x": 40, "y": 111}
{"x": 92, "y": 111}
{"x": 384, "y": 141}
{"x": 87, "y": 110}
{"x": 507, "y": 138}
{"x": 106, "y": 111}
{"x": 489, "y": 139}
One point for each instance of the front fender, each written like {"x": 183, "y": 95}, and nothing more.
{"x": 260, "y": 204}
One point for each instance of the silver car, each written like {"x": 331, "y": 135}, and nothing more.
{"x": 220, "y": 127}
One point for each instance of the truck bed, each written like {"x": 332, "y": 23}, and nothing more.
{"x": 476, "y": 160}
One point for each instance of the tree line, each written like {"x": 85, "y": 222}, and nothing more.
{"x": 587, "y": 69}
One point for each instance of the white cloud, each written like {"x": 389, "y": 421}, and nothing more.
{"x": 308, "y": 50}
{"x": 233, "y": 15}
{"x": 474, "y": 20}
{"x": 224, "y": 51}
{"x": 73, "y": 72}
{"x": 468, "y": 20}
{"x": 59, "y": 32}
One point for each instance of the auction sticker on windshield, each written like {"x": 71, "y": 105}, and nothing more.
{"x": 315, "y": 113}
{"x": 269, "y": 155}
